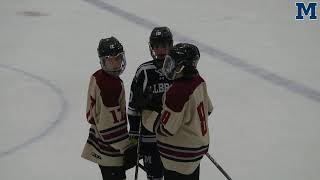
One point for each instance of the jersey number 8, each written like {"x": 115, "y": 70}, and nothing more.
{"x": 202, "y": 118}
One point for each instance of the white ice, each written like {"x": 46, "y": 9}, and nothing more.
{"x": 261, "y": 65}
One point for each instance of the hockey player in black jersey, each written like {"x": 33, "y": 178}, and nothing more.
{"x": 148, "y": 85}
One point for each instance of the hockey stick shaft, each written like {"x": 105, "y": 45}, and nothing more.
{"x": 138, "y": 152}
{"x": 218, "y": 166}
{"x": 142, "y": 167}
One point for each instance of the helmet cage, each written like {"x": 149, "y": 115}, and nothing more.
{"x": 109, "y": 64}
{"x": 170, "y": 67}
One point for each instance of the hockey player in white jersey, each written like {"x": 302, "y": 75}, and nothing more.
{"x": 181, "y": 127}
{"x": 149, "y": 81}
{"x": 108, "y": 144}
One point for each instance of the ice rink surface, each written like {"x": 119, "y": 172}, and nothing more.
{"x": 261, "y": 65}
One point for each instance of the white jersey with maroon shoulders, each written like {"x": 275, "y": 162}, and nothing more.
{"x": 182, "y": 131}
{"x": 106, "y": 112}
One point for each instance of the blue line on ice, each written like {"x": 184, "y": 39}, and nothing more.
{"x": 239, "y": 63}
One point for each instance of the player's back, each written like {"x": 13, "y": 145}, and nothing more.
{"x": 183, "y": 128}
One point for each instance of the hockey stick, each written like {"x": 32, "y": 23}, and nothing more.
{"x": 218, "y": 166}
{"x": 138, "y": 153}
{"x": 142, "y": 167}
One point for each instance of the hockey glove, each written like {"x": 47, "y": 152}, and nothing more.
{"x": 154, "y": 103}
{"x": 134, "y": 139}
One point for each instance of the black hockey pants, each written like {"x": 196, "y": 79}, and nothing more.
{"x": 112, "y": 173}
{"x": 172, "y": 175}
{"x": 152, "y": 161}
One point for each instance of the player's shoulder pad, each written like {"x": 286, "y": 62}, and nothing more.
{"x": 178, "y": 94}
{"x": 145, "y": 66}
{"x": 110, "y": 88}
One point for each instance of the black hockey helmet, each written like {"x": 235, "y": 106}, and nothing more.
{"x": 183, "y": 57}
{"x": 109, "y": 47}
{"x": 110, "y": 52}
{"x": 160, "y": 34}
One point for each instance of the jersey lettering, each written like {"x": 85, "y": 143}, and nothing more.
{"x": 160, "y": 87}
{"x": 202, "y": 117}
{"x": 115, "y": 118}
{"x": 165, "y": 117}
{"x": 89, "y": 113}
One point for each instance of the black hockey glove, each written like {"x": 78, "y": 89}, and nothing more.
{"x": 154, "y": 103}
{"x": 142, "y": 98}
{"x": 130, "y": 157}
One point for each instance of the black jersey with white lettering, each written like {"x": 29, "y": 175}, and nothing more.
{"x": 149, "y": 79}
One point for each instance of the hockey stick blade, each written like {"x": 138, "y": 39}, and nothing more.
{"x": 218, "y": 166}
